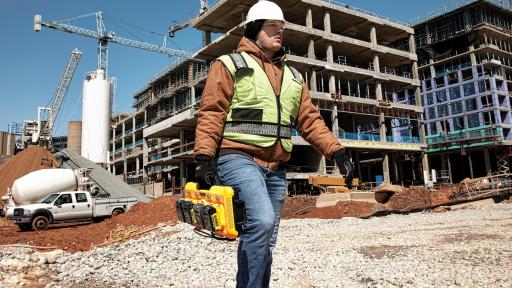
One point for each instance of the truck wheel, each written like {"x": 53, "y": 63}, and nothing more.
{"x": 25, "y": 227}
{"x": 40, "y": 223}
{"x": 117, "y": 212}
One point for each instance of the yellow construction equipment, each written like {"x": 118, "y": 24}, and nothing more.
{"x": 331, "y": 184}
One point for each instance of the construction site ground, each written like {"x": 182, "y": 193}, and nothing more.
{"x": 148, "y": 218}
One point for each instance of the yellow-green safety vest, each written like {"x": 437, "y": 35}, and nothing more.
{"x": 257, "y": 116}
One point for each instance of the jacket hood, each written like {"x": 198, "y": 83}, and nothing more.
{"x": 249, "y": 46}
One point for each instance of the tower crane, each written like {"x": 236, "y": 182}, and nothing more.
{"x": 175, "y": 28}
{"x": 43, "y": 136}
{"x": 104, "y": 37}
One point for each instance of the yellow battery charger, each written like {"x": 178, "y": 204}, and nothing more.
{"x": 218, "y": 210}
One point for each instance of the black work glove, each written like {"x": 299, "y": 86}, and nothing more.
{"x": 345, "y": 166}
{"x": 206, "y": 173}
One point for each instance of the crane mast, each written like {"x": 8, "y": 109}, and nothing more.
{"x": 44, "y": 133}
{"x": 103, "y": 36}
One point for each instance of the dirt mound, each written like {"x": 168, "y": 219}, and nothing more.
{"x": 304, "y": 207}
{"x": 297, "y": 205}
{"x": 418, "y": 198}
{"x": 28, "y": 160}
{"x": 83, "y": 236}
{"x": 340, "y": 210}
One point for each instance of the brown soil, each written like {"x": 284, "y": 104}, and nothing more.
{"x": 83, "y": 236}
{"x": 28, "y": 160}
{"x": 304, "y": 207}
{"x": 340, "y": 210}
{"x": 419, "y": 198}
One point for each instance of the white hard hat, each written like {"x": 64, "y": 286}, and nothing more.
{"x": 264, "y": 10}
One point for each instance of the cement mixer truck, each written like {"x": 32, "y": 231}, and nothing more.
{"x": 49, "y": 192}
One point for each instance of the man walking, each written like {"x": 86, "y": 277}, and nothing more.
{"x": 251, "y": 102}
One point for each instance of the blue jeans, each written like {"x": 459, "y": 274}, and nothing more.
{"x": 263, "y": 193}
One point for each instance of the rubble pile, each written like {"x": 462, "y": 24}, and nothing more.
{"x": 31, "y": 159}
{"x": 84, "y": 236}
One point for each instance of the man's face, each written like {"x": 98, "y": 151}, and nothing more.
{"x": 271, "y": 35}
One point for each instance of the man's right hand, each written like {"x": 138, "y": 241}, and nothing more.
{"x": 345, "y": 166}
{"x": 206, "y": 173}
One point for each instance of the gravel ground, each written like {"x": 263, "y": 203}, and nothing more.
{"x": 467, "y": 248}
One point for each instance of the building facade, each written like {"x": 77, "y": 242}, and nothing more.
{"x": 362, "y": 73}
{"x": 465, "y": 67}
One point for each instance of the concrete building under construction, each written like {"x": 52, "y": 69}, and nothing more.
{"x": 362, "y": 72}
{"x": 465, "y": 66}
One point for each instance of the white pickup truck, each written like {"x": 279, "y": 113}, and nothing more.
{"x": 68, "y": 206}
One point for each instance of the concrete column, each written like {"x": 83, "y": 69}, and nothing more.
{"x": 378, "y": 91}
{"x": 312, "y": 81}
{"x": 183, "y": 175}
{"x": 415, "y": 73}
{"x": 145, "y": 156}
{"x": 330, "y": 55}
{"x": 327, "y": 22}
{"x": 487, "y": 161}
{"x": 467, "y": 20}
{"x": 412, "y": 44}
{"x": 376, "y": 63}
{"x": 427, "y": 33}
{"x": 395, "y": 169}
{"x": 425, "y": 165}
{"x": 207, "y": 38}
{"x": 470, "y": 163}
{"x": 432, "y": 69}
{"x": 385, "y": 168}
{"x": 182, "y": 139}
{"x": 332, "y": 84}
{"x": 334, "y": 118}
{"x": 472, "y": 55}
{"x": 401, "y": 171}
{"x": 373, "y": 35}
{"x": 382, "y": 127}
{"x": 193, "y": 94}
{"x": 449, "y": 167}
{"x": 137, "y": 165}
{"x": 322, "y": 166}
{"x": 311, "y": 49}
{"x": 358, "y": 166}
{"x": 309, "y": 18}
{"x": 413, "y": 164}
{"x": 125, "y": 168}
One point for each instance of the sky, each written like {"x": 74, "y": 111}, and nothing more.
{"x": 32, "y": 64}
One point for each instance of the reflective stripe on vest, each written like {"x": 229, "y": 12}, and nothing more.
{"x": 257, "y": 116}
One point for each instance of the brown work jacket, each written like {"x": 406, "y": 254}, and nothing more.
{"x": 216, "y": 100}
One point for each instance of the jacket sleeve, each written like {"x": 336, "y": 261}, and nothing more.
{"x": 312, "y": 128}
{"x": 215, "y": 102}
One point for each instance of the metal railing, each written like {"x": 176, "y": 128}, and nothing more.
{"x": 365, "y": 12}
{"x": 481, "y": 133}
{"x": 376, "y": 138}
{"x": 451, "y": 7}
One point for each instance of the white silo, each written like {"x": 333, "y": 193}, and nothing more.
{"x": 96, "y": 117}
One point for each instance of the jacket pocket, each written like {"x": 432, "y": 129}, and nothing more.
{"x": 241, "y": 114}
